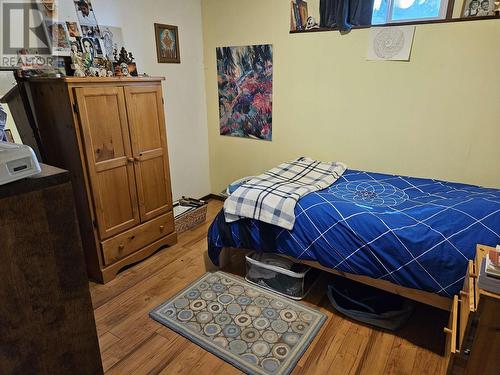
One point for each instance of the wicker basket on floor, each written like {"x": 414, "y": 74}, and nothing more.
{"x": 191, "y": 219}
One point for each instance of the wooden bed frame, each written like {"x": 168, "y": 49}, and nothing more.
{"x": 426, "y": 298}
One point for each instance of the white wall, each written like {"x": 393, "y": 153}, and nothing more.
{"x": 184, "y": 88}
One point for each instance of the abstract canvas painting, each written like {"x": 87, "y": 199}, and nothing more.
{"x": 245, "y": 78}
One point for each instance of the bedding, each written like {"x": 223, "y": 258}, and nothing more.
{"x": 272, "y": 196}
{"x": 414, "y": 232}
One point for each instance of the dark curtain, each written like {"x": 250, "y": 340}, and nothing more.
{"x": 344, "y": 14}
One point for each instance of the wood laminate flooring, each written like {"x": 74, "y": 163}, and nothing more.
{"x": 132, "y": 343}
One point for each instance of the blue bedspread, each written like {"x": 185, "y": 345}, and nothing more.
{"x": 418, "y": 233}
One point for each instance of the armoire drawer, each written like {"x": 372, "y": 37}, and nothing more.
{"x": 136, "y": 238}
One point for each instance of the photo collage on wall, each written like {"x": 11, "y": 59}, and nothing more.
{"x": 91, "y": 50}
{"x": 87, "y": 48}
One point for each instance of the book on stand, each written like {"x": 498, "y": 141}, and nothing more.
{"x": 302, "y": 5}
{"x": 293, "y": 20}
{"x": 489, "y": 274}
{"x": 493, "y": 262}
{"x": 298, "y": 15}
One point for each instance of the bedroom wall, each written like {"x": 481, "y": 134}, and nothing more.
{"x": 184, "y": 90}
{"x": 436, "y": 116}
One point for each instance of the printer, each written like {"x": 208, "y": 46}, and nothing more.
{"x": 17, "y": 162}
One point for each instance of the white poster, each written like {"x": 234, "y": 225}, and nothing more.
{"x": 390, "y": 43}
{"x": 112, "y": 38}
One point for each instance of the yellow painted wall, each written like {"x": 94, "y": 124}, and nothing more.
{"x": 437, "y": 116}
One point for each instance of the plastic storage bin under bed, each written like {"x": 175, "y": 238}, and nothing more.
{"x": 280, "y": 275}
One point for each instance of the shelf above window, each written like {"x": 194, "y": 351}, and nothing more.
{"x": 423, "y": 22}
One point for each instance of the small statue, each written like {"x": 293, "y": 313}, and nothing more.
{"x": 94, "y": 72}
{"x": 124, "y": 69}
{"x": 124, "y": 63}
{"x": 123, "y": 56}
{"x": 109, "y": 68}
{"x": 79, "y": 73}
{"x": 77, "y": 61}
{"x": 497, "y": 8}
{"x": 311, "y": 23}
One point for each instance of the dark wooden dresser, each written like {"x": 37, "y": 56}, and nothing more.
{"x": 46, "y": 320}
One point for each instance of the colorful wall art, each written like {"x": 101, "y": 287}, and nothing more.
{"x": 245, "y": 78}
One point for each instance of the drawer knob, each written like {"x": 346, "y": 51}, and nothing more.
{"x": 162, "y": 228}
{"x": 464, "y": 293}
{"x": 130, "y": 160}
{"x": 447, "y": 330}
{"x": 121, "y": 246}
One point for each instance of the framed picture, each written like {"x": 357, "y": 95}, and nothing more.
{"x": 478, "y": 8}
{"x": 90, "y": 31}
{"x": 167, "y": 43}
{"x": 73, "y": 29}
{"x": 85, "y": 13}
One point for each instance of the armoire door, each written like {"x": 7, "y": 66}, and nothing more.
{"x": 149, "y": 147}
{"x": 103, "y": 119}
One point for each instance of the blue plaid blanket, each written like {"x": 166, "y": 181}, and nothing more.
{"x": 272, "y": 196}
{"x": 418, "y": 233}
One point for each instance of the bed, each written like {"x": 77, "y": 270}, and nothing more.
{"x": 410, "y": 236}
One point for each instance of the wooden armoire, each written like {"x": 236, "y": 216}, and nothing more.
{"x": 110, "y": 134}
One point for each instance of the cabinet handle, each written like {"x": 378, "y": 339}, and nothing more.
{"x": 464, "y": 294}
{"x": 130, "y": 160}
{"x": 162, "y": 228}
{"x": 447, "y": 330}
{"x": 121, "y": 246}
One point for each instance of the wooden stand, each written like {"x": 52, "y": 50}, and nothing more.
{"x": 46, "y": 319}
{"x": 474, "y": 330}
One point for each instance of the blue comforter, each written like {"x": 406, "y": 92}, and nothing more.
{"x": 418, "y": 233}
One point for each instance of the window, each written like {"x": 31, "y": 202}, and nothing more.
{"x": 391, "y": 11}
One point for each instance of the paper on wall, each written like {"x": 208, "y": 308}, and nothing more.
{"x": 390, "y": 43}
{"x": 112, "y": 38}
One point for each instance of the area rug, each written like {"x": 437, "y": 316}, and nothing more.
{"x": 255, "y": 330}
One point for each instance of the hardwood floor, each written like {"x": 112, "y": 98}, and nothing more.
{"x": 132, "y": 343}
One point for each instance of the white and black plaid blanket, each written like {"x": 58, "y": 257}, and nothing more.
{"x": 272, "y": 196}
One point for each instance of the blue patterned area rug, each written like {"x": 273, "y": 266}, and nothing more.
{"x": 257, "y": 331}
